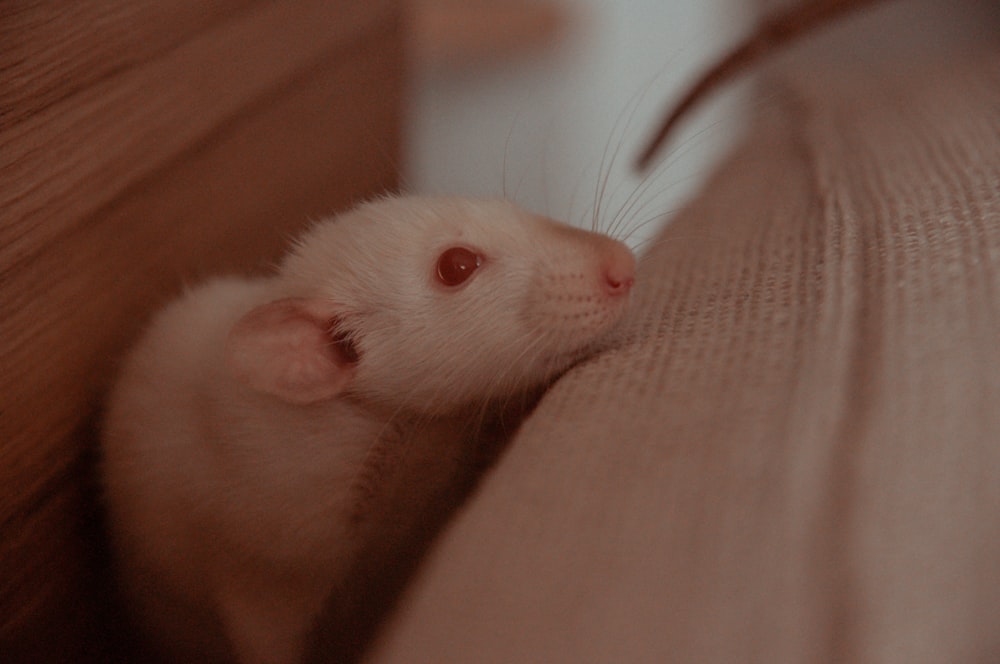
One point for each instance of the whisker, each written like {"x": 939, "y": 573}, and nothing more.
{"x": 640, "y": 196}
{"x": 656, "y": 219}
{"x": 654, "y": 242}
{"x": 627, "y": 113}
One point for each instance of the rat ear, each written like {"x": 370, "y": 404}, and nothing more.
{"x": 285, "y": 348}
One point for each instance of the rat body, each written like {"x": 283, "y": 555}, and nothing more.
{"x": 262, "y": 429}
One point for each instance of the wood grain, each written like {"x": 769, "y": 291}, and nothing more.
{"x": 68, "y": 159}
{"x": 178, "y": 153}
{"x": 48, "y": 56}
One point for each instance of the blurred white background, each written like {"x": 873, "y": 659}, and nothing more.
{"x": 541, "y": 125}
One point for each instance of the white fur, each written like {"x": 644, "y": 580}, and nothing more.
{"x": 232, "y": 476}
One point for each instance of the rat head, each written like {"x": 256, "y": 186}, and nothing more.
{"x": 431, "y": 304}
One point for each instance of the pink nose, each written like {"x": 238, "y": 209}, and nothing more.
{"x": 618, "y": 286}
{"x": 618, "y": 269}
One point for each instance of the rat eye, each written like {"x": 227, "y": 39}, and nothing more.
{"x": 456, "y": 265}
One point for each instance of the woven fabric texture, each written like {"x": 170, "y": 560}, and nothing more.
{"x": 793, "y": 456}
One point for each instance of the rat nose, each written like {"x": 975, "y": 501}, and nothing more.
{"x": 618, "y": 286}
{"x": 618, "y": 269}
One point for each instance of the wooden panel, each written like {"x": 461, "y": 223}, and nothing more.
{"x": 69, "y": 158}
{"x": 187, "y": 158}
{"x": 47, "y": 56}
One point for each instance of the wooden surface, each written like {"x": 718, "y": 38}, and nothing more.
{"x": 464, "y": 33}
{"x": 144, "y": 145}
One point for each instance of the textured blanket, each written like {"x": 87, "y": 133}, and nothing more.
{"x": 794, "y": 455}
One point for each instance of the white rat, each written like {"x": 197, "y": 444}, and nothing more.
{"x": 261, "y": 427}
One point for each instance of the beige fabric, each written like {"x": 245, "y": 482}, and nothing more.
{"x": 795, "y": 456}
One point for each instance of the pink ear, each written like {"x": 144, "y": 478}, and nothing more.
{"x": 284, "y": 348}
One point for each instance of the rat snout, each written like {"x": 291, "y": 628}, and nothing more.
{"x": 580, "y": 290}
{"x": 617, "y": 268}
